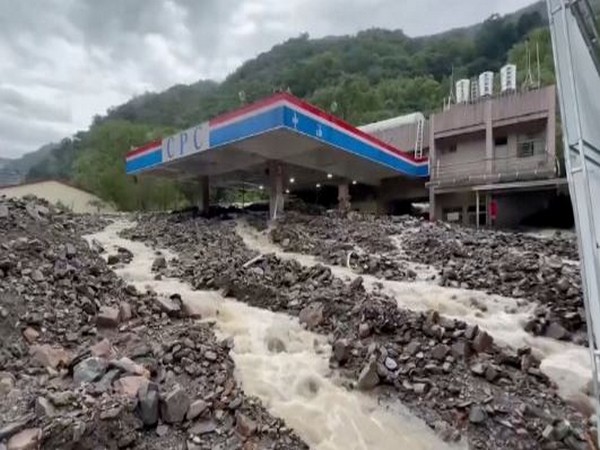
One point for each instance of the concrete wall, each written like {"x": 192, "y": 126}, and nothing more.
{"x": 54, "y": 192}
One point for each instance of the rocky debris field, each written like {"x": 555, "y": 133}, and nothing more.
{"x": 451, "y": 375}
{"x": 88, "y": 362}
{"x": 508, "y": 264}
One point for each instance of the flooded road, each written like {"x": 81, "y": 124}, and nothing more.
{"x": 284, "y": 365}
{"x": 504, "y": 318}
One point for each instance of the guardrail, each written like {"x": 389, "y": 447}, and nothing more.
{"x": 490, "y": 170}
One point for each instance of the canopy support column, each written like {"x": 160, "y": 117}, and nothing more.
{"x": 204, "y": 201}
{"x": 344, "y": 197}
{"x": 275, "y": 189}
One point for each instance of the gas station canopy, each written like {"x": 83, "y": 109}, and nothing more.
{"x": 237, "y": 147}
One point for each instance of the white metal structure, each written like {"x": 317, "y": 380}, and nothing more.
{"x": 576, "y": 48}
{"x": 508, "y": 78}
{"x": 486, "y": 84}
{"x": 394, "y": 122}
{"x": 463, "y": 90}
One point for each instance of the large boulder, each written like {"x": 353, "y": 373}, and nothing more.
{"x": 174, "y": 405}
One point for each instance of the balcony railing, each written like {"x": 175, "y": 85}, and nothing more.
{"x": 515, "y": 168}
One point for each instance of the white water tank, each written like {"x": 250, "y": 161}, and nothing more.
{"x": 394, "y": 122}
{"x": 463, "y": 90}
{"x": 486, "y": 84}
{"x": 508, "y": 78}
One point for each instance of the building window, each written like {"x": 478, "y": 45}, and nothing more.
{"x": 452, "y": 214}
{"x": 525, "y": 149}
{"x": 530, "y": 146}
{"x": 499, "y": 141}
{"x": 451, "y": 148}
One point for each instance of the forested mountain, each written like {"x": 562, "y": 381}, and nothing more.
{"x": 369, "y": 76}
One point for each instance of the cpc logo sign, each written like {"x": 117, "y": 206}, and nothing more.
{"x": 188, "y": 142}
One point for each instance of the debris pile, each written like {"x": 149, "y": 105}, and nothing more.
{"x": 509, "y": 264}
{"x": 344, "y": 241}
{"x": 88, "y": 361}
{"x": 450, "y": 374}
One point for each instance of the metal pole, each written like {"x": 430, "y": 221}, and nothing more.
{"x": 477, "y": 208}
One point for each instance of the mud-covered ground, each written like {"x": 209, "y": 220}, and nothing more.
{"x": 87, "y": 361}
{"x": 542, "y": 270}
{"x": 450, "y": 374}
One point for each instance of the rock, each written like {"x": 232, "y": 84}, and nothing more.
{"x": 159, "y": 263}
{"x": 103, "y": 349}
{"x": 29, "y": 439}
{"x": 357, "y": 284}
{"x": 174, "y": 405}
{"x": 162, "y": 430}
{"x": 30, "y": 335}
{"x": 390, "y": 364}
{"x": 210, "y": 355}
{"x": 128, "y": 366}
{"x": 491, "y": 373}
{"x": 108, "y": 317}
{"x": 477, "y": 414}
{"x": 48, "y": 356}
{"x": 3, "y": 211}
{"x": 471, "y": 331}
{"x": 244, "y": 425}
{"x": 169, "y": 306}
{"x": 556, "y": 331}
{"x": 89, "y": 370}
{"x": 440, "y": 351}
{"x": 364, "y": 330}
{"x": 111, "y": 413}
{"x": 412, "y": 348}
{"x": 197, "y": 407}
{"x": 311, "y": 315}
{"x": 70, "y": 250}
{"x": 461, "y": 350}
{"x": 204, "y": 427}
{"x": 37, "y": 276}
{"x": 125, "y": 311}
{"x": 420, "y": 388}
{"x": 7, "y": 382}
{"x": 129, "y": 386}
{"x": 63, "y": 398}
{"x": 478, "y": 369}
{"x": 341, "y": 350}
{"x": 275, "y": 345}
{"x": 113, "y": 259}
{"x": 561, "y": 430}
{"x": 148, "y": 401}
{"x": 106, "y": 381}
{"x": 43, "y": 407}
{"x": 368, "y": 378}
{"x": 482, "y": 342}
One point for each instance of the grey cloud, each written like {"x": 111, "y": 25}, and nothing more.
{"x": 62, "y": 61}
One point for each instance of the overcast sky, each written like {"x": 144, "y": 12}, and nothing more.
{"x": 62, "y": 61}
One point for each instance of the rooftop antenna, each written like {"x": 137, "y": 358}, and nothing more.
{"x": 528, "y": 83}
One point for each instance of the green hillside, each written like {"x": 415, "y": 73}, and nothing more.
{"x": 369, "y": 76}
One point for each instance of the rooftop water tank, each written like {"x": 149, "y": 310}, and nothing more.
{"x": 463, "y": 90}
{"x": 508, "y": 78}
{"x": 486, "y": 84}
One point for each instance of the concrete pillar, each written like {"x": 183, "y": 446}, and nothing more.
{"x": 432, "y": 204}
{"x": 551, "y": 125}
{"x": 344, "y": 197}
{"x": 489, "y": 137}
{"x": 275, "y": 189}
{"x": 204, "y": 200}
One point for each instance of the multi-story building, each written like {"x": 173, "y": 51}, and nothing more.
{"x": 494, "y": 161}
